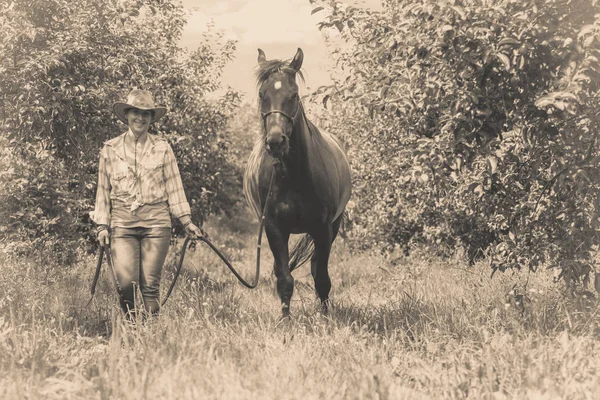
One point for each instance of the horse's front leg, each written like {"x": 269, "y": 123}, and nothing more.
{"x": 278, "y": 241}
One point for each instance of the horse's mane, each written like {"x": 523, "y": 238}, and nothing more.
{"x": 269, "y": 67}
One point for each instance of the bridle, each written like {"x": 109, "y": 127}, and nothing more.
{"x": 290, "y": 118}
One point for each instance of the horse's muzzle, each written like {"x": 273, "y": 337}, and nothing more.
{"x": 277, "y": 153}
{"x": 277, "y": 146}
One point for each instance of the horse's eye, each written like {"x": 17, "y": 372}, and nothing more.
{"x": 260, "y": 95}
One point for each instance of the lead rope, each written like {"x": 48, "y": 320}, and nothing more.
{"x": 222, "y": 257}
{"x": 204, "y": 239}
{"x": 104, "y": 251}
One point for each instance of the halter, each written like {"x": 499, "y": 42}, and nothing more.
{"x": 291, "y": 119}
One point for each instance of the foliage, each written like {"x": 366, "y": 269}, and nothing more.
{"x": 480, "y": 117}
{"x": 63, "y": 64}
{"x": 34, "y": 213}
{"x": 243, "y": 129}
{"x": 239, "y": 136}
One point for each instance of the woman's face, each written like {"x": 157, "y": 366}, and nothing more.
{"x": 139, "y": 120}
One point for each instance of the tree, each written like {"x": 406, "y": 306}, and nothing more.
{"x": 481, "y": 118}
{"x": 63, "y": 64}
{"x": 240, "y": 134}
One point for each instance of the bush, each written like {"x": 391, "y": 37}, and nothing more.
{"x": 480, "y": 117}
{"x": 63, "y": 64}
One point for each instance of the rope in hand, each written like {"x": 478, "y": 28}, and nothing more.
{"x": 106, "y": 250}
{"x": 222, "y": 257}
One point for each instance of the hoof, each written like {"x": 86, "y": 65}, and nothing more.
{"x": 285, "y": 312}
{"x": 325, "y": 307}
{"x": 285, "y": 318}
{"x": 284, "y": 321}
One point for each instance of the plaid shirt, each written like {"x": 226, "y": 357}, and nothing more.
{"x": 157, "y": 179}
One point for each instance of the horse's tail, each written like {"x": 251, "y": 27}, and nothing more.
{"x": 305, "y": 247}
{"x": 344, "y": 225}
{"x": 302, "y": 252}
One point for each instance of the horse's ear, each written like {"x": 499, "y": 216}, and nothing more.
{"x": 297, "y": 61}
{"x": 261, "y": 57}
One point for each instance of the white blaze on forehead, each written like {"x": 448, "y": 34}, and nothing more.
{"x": 277, "y": 85}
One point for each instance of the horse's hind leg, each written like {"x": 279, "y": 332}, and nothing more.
{"x": 321, "y": 273}
{"x": 334, "y": 231}
{"x": 278, "y": 242}
{"x": 320, "y": 262}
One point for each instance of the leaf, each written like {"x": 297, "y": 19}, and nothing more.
{"x": 458, "y": 163}
{"x": 447, "y": 28}
{"x": 383, "y": 92}
{"x": 585, "y": 30}
{"x": 325, "y": 99}
{"x": 565, "y": 95}
{"x": 581, "y": 77}
{"x": 509, "y": 42}
{"x": 512, "y": 236}
{"x": 459, "y": 11}
{"x": 504, "y": 60}
{"x": 588, "y": 41}
{"x": 559, "y": 104}
{"x": 316, "y": 10}
{"x": 493, "y": 164}
{"x": 544, "y": 101}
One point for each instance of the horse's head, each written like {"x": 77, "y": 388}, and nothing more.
{"x": 279, "y": 101}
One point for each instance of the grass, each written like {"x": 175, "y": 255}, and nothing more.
{"x": 420, "y": 328}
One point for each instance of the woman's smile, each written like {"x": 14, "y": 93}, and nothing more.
{"x": 139, "y": 120}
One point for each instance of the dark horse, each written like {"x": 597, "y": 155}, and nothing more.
{"x": 311, "y": 181}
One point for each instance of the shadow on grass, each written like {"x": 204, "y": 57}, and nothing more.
{"x": 403, "y": 317}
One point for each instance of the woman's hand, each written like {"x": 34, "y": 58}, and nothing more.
{"x": 104, "y": 237}
{"x": 193, "y": 231}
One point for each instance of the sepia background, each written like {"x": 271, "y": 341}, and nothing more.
{"x": 468, "y": 268}
{"x": 276, "y": 27}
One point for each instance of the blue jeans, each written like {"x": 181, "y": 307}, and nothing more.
{"x": 138, "y": 256}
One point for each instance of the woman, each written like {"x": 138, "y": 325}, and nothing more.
{"x": 139, "y": 187}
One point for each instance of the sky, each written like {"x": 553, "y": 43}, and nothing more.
{"x": 278, "y": 27}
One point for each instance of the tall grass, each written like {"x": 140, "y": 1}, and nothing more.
{"x": 418, "y": 328}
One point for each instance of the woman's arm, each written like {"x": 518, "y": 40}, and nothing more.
{"x": 180, "y": 208}
{"x": 102, "y": 206}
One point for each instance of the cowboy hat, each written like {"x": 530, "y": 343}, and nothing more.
{"x": 142, "y": 100}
